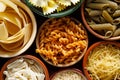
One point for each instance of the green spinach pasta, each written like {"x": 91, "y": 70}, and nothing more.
{"x": 103, "y": 16}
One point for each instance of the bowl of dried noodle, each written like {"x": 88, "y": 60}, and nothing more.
{"x": 53, "y": 8}
{"x": 62, "y": 42}
{"x": 24, "y": 67}
{"x": 68, "y": 74}
{"x": 102, "y": 18}
{"x": 17, "y": 28}
{"x": 102, "y": 61}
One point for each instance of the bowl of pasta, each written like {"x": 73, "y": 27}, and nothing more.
{"x": 53, "y": 8}
{"x": 101, "y": 61}
{"x": 61, "y": 42}
{"x": 102, "y": 18}
{"x": 17, "y": 28}
{"x": 68, "y": 74}
{"x": 24, "y": 67}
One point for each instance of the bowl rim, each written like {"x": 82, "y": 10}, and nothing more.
{"x": 54, "y": 15}
{"x": 84, "y": 64}
{"x": 78, "y": 71}
{"x": 33, "y": 34}
{"x": 61, "y": 65}
{"x": 31, "y": 57}
{"x": 91, "y": 30}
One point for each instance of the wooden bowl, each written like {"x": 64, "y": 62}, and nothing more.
{"x": 68, "y": 70}
{"x": 28, "y": 57}
{"x": 87, "y": 55}
{"x": 7, "y": 54}
{"x": 62, "y": 64}
{"x": 69, "y": 10}
{"x": 95, "y": 33}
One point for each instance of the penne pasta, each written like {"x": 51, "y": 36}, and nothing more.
{"x": 95, "y": 13}
{"x": 103, "y": 16}
{"x": 107, "y": 16}
{"x": 117, "y": 32}
{"x": 116, "y": 21}
{"x": 108, "y": 34}
{"x": 116, "y": 13}
{"x": 99, "y": 19}
{"x": 109, "y": 10}
{"x": 91, "y": 22}
{"x": 112, "y": 4}
{"x": 118, "y": 1}
{"x": 99, "y": 6}
{"x": 105, "y": 26}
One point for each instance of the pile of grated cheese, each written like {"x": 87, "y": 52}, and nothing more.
{"x": 104, "y": 62}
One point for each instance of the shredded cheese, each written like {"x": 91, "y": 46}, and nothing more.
{"x": 104, "y": 63}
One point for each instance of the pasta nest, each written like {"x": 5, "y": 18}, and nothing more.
{"x": 50, "y": 6}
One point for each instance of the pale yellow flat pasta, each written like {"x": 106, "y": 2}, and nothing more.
{"x": 27, "y": 32}
{"x": 3, "y": 32}
{"x": 11, "y": 18}
{"x": 11, "y": 28}
{"x": 14, "y": 38}
{"x": 15, "y": 28}
{"x": 2, "y": 7}
{"x": 12, "y": 46}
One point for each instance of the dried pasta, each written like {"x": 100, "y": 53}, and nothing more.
{"x": 62, "y": 40}
{"x": 103, "y": 12}
{"x": 103, "y": 62}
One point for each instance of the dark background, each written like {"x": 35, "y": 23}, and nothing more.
{"x": 31, "y": 50}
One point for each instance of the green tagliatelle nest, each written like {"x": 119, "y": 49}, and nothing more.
{"x": 50, "y": 6}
